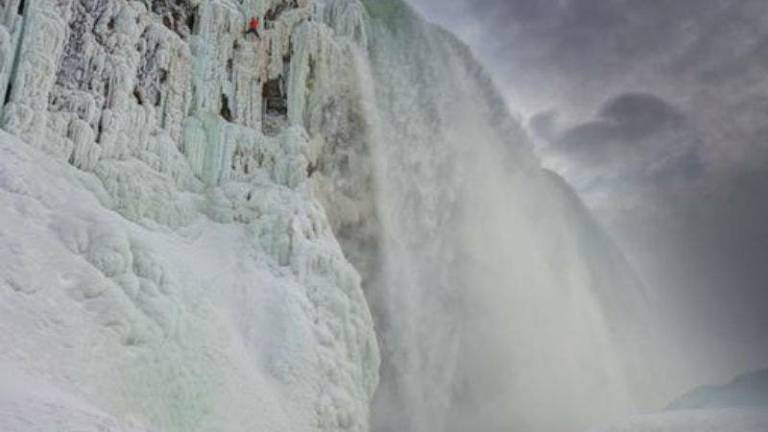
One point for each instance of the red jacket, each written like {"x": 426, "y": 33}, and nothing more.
{"x": 253, "y": 24}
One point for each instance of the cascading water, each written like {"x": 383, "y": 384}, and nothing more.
{"x": 498, "y": 302}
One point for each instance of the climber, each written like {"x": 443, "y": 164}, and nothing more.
{"x": 253, "y": 27}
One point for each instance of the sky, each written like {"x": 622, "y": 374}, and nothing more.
{"x": 656, "y": 112}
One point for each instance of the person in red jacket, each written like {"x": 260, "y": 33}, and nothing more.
{"x": 253, "y": 27}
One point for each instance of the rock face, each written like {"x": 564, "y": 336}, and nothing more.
{"x": 165, "y": 251}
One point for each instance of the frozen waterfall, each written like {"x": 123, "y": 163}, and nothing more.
{"x": 205, "y": 231}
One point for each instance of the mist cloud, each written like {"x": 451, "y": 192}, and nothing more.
{"x": 657, "y": 113}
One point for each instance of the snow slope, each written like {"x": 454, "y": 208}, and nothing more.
{"x": 201, "y": 328}
{"x": 27, "y": 405}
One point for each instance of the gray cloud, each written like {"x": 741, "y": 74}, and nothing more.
{"x": 631, "y": 135}
{"x": 574, "y": 53}
{"x": 638, "y": 115}
{"x": 544, "y": 124}
{"x": 627, "y": 118}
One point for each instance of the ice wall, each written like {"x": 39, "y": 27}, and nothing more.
{"x": 165, "y": 256}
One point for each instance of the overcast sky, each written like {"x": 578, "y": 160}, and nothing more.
{"x": 656, "y": 111}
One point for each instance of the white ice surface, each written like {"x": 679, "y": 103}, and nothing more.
{"x": 214, "y": 327}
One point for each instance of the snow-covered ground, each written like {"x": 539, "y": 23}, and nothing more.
{"x": 717, "y": 420}
{"x": 28, "y": 405}
{"x": 746, "y": 391}
{"x": 247, "y": 318}
{"x": 739, "y": 406}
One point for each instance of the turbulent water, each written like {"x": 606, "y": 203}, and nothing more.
{"x": 188, "y": 203}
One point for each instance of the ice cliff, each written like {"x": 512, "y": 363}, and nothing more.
{"x": 163, "y": 253}
{"x": 195, "y": 222}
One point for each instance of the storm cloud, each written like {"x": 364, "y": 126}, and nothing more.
{"x": 627, "y": 119}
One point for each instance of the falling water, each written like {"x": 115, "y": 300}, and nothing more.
{"x": 500, "y": 306}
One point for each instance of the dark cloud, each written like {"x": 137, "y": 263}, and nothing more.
{"x": 640, "y": 125}
{"x": 640, "y": 114}
{"x": 627, "y": 118}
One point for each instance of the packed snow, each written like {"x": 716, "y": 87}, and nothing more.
{"x": 27, "y": 405}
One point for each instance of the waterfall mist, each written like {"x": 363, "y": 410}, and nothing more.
{"x": 498, "y": 300}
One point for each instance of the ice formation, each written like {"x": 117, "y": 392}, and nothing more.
{"x": 164, "y": 255}
{"x": 195, "y": 223}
